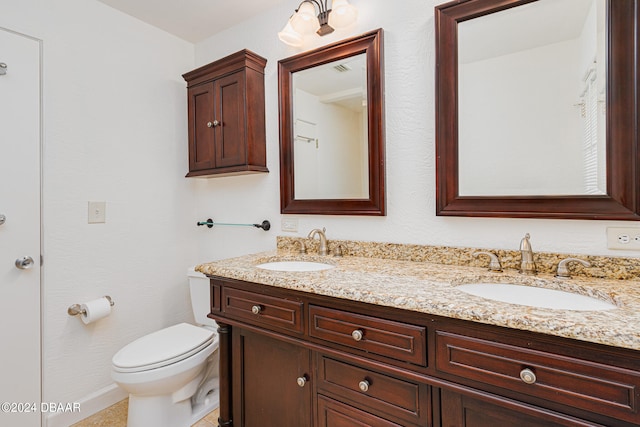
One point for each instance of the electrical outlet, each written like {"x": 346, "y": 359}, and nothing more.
{"x": 290, "y": 224}
{"x": 97, "y": 212}
{"x": 623, "y": 238}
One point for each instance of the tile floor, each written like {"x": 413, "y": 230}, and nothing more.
{"x": 116, "y": 416}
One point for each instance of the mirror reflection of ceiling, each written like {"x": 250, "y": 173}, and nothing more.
{"x": 528, "y": 26}
{"x": 341, "y": 82}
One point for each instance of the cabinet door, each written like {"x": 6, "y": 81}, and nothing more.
{"x": 201, "y": 131}
{"x": 230, "y": 133}
{"x": 458, "y": 410}
{"x": 265, "y": 382}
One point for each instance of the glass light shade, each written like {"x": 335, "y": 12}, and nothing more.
{"x": 304, "y": 21}
{"x": 342, "y": 14}
{"x": 289, "y": 36}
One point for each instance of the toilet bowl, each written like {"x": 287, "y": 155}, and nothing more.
{"x": 171, "y": 375}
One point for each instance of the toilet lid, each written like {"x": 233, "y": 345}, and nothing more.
{"x": 162, "y": 348}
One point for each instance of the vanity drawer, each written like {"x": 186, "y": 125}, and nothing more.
{"x": 381, "y": 393}
{"x": 263, "y": 310}
{"x": 578, "y": 383}
{"x": 332, "y": 413}
{"x": 374, "y": 335}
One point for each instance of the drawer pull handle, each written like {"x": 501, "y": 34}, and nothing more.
{"x": 364, "y": 385}
{"x": 256, "y": 309}
{"x": 527, "y": 376}
{"x": 357, "y": 335}
{"x": 302, "y": 381}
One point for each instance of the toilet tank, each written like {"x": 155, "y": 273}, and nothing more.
{"x": 200, "y": 297}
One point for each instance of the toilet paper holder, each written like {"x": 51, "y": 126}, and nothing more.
{"x": 77, "y": 309}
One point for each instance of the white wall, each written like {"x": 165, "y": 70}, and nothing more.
{"x": 114, "y": 130}
{"x": 410, "y": 133}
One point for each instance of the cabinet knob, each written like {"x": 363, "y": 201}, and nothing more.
{"x": 301, "y": 381}
{"x": 527, "y": 376}
{"x": 357, "y": 335}
{"x": 364, "y": 385}
{"x": 256, "y": 309}
{"x": 213, "y": 124}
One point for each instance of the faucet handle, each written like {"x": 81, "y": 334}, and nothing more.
{"x": 563, "y": 269}
{"x": 494, "y": 261}
{"x": 303, "y": 247}
{"x": 338, "y": 251}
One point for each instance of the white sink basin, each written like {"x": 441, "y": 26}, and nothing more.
{"x": 295, "y": 266}
{"x": 535, "y": 297}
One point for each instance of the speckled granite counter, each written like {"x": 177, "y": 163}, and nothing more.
{"x": 431, "y": 288}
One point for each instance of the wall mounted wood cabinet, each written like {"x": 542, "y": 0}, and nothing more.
{"x": 226, "y": 116}
{"x": 295, "y": 359}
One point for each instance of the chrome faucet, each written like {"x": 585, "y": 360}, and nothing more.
{"x": 527, "y": 265}
{"x": 322, "y": 249}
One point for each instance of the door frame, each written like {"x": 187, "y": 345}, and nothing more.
{"x": 41, "y": 200}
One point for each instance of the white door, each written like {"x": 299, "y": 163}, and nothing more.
{"x": 20, "y": 358}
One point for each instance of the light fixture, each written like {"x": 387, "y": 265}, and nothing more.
{"x": 304, "y": 21}
{"x": 290, "y": 36}
{"x": 342, "y": 14}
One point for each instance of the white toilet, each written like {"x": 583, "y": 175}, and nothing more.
{"x": 172, "y": 374}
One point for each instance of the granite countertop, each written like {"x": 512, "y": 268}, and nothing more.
{"x": 429, "y": 287}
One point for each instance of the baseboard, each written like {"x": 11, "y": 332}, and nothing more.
{"x": 89, "y": 405}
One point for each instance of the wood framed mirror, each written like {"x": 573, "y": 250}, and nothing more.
{"x": 620, "y": 195}
{"x": 332, "y": 129}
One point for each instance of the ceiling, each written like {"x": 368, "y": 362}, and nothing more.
{"x": 192, "y": 20}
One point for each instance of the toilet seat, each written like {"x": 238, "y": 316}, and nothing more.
{"x": 162, "y": 348}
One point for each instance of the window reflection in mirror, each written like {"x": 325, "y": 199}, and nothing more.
{"x": 330, "y": 143}
{"x": 532, "y": 85}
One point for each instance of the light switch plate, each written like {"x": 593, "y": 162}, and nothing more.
{"x": 290, "y": 224}
{"x": 97, "y": 212}
{"x": 627, "y": 238}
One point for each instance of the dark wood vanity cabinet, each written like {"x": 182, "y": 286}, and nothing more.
{"x": 332, "y": 413}
{"x": 270, "y": 381}
{"x": 461, "y": 410}
{"x": 226, "y": 116}
{"x": 298, "y": 359}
